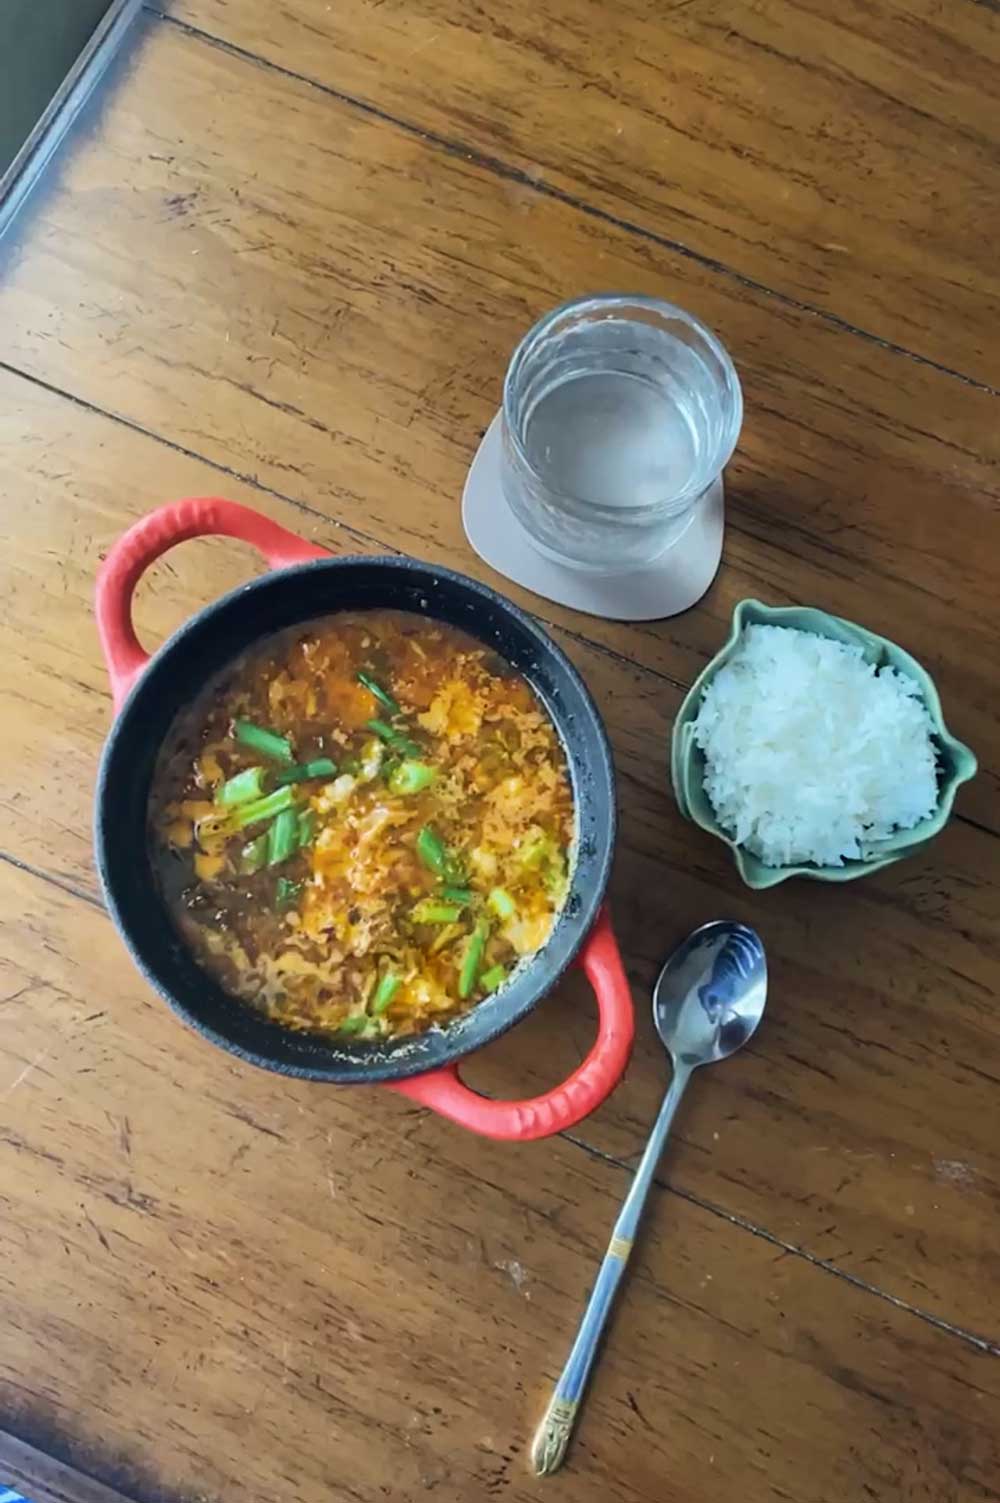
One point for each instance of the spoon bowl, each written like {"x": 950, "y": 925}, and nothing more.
{"x": 710, "y": 995}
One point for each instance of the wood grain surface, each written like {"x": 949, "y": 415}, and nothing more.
{"x": 222, "y": 1286}
{"x": 839, "y": 1073}
{"x": 842, "y": 155}
{"x": 273, "y": 345}
{"x": 290, "y": 1290}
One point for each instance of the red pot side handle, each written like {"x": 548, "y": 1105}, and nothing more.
{"x": 577, "y": 1097}
{"x": 135, "y": 550}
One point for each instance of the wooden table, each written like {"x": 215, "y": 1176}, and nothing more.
{"x": 285, "y": 260}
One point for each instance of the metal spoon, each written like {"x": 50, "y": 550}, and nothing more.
{"x": 707, "y": 1001}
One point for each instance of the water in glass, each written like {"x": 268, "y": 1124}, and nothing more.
{"x": 618, "y": 414}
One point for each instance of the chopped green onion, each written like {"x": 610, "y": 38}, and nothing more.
{"x": 555, "y": 877}
{"x": 439, "y": 860}
{"x": 322, "y": 767}
{"x": 446, "y": 935}
{"x": 351, "y": 765}
{"x": 287, "y": 892}
{"x": 472, "y": 959}
{"x": 463, "y": 895}
{"x": 353, "y": 1024}
{"x": 543, "y": 853}
{"x": 261, "y": 740}
{"x": 241, "y": 789}
{"x": 429, "y": 912}
{"x": 228, "y": 822}
{"x": 283, "y": 837}
{"x": 491, "y": 979}
{"x": 262, "y": 808}
{"x": 431, "y": 850}
{"x": 411, "y": 777}
{"x": 533, "y": 851}
{"x": 307, "y": 827}
{"x": 253, "y": 857}
{"x": 382, "y": 695}
{"x": 384, "y": 993}
{"x": 502, "y": 903}
{"x": 394, "y": 738}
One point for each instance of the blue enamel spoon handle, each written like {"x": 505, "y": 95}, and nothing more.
{"x": 552, "y": 1436}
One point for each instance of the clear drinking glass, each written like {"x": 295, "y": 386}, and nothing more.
{"x": 619, "y": 412}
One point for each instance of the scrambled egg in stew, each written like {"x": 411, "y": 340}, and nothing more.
{"x": 363, "y": 824}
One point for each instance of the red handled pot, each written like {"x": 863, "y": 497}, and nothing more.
{"x": 149, "y": 692}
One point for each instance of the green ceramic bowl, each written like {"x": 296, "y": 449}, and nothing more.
{"x": 956, "y": 763}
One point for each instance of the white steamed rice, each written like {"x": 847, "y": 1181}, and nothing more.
{"x": 811, "y": 754}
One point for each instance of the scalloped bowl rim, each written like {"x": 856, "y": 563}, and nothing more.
{"x": 878, "y": 649}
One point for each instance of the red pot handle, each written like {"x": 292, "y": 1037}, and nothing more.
{"x": 586, "y": 1088}
{"x": 135, "y": 550}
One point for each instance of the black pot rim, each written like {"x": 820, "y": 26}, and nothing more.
{"x": 234, "y": 1026}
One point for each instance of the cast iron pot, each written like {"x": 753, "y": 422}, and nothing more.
{"x": 148, "y": 692}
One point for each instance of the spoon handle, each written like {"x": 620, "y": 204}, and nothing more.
{"x": 552, "y": 1436}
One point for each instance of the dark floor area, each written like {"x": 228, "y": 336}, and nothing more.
{"x": 39, "y": 42}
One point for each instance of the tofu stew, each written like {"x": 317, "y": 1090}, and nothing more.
{"x": 363, "y": 824}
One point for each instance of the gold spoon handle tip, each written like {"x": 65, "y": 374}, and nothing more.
{"x": 552, "y": 1437}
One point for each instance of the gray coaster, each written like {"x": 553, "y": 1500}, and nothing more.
{"x": 670, "y": 584}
